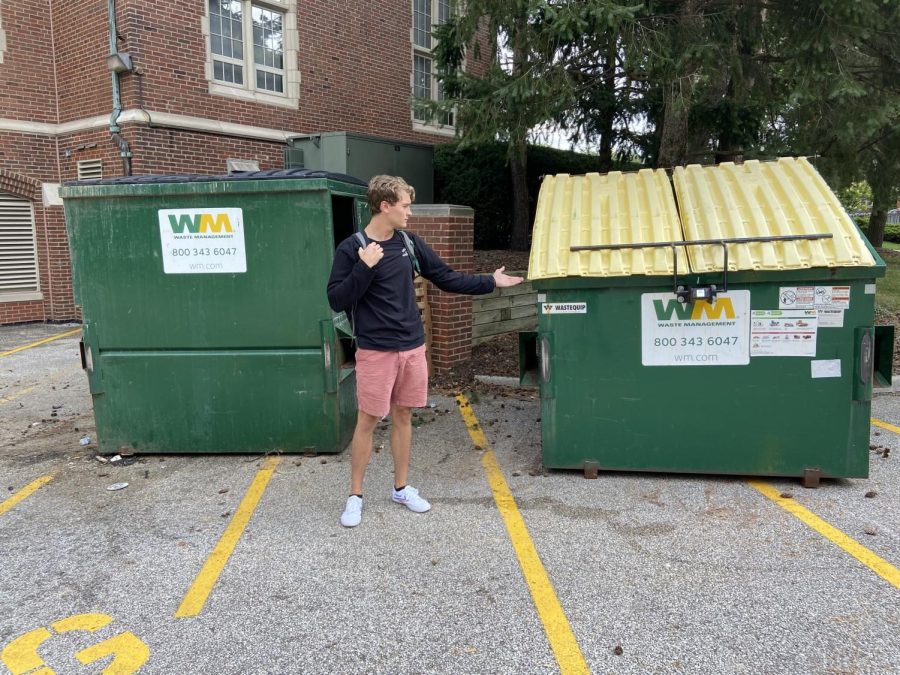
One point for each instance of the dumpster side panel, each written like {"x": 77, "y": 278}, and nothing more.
{"x": 215, "y": 402}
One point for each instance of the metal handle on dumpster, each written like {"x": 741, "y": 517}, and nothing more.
{"x": 865, "y": 358}
{"x": 864, "y": 362}
{"x": 545, "y": 360}
{"x": 702, "y": 242}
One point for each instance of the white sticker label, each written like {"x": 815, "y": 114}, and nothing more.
{"x": 774, "y": 332}
{"x": 814, "y": 297}
{"x": 564, "y": 308}
{"x": 695, "y": 334}
{"x": 870, "y": 289}
{"x": 829, "y": 368}
{"x": 542, "y": 297}
{"x": 202, "y": 241}
{"x": 831, "y": 318}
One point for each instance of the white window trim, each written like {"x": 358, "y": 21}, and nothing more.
{"x": 415, "y": 50}
{"x": 248, "y": 92}
{"x": 2, "y": 37}
{"x": 434, "y": 128}
{"x": 21, "y": 296}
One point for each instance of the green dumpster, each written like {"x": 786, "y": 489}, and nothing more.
{"x": 750, "y": 353}
{"x": 206, "y": 323}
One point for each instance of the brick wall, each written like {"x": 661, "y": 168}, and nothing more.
{"x": 449, "y": 230}
{"x": 355, "y": 62}
{"x": 26, "y": 74}
{"x": 354, "y": 59}
{"x": 172, "y": 151}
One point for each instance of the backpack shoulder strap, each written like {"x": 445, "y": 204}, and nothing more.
{"x": 411, "y": 250}
{"x": 350, "y": 315}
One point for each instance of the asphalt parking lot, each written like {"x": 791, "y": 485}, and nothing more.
{"x": 237, "y": 564}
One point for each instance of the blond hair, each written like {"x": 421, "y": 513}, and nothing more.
{"x": 387, "y": 189}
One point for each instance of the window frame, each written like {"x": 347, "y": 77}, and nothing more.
{"x": 18, "y": 295}
{"x": 248, "y": 91}
{"x": 433, "y": 125}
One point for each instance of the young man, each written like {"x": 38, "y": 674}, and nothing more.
{"x": 374, "y": 285}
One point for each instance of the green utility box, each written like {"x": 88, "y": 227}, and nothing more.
{"x": 364, "y": 157}
{"x": 206, "y": 323}
{"x": 751, "y": 353}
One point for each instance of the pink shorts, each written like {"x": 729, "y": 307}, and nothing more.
{"x": 385, "y": 378}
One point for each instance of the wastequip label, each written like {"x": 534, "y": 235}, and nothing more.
{"x": 563, "y": 308}
{"x": 695, "y": 334}
{"x": 202, "y": 241}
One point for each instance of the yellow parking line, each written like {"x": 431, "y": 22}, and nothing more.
{"x": 199, "y": 591}
{"x": 40, "y": 342}
{"x": 556, "y": 625}
{"x": 879, "y": 565}
{"x": 885, "y": 425}
{"x": 25, "y": 492}
{"x": 27, "y": 390}
{"x": 18, "y": 394}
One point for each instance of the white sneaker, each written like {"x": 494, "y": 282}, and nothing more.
{"x": 352, "y": 512}
{"x": 409, "y": 496}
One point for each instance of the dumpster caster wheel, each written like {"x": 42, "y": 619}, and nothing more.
{"x": 591, "y": 469}
{"x": 811, "y": 478}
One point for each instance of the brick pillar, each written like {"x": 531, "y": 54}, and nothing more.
{"x": 449, "y": 230}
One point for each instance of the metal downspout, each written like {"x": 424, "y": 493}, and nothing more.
{"x": 124, "y": 150}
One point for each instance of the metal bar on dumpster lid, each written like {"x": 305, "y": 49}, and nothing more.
{"x": 702, "y": 242}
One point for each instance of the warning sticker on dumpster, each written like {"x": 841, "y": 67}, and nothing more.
{"x": 202, "y": 241}
{"x": 695, "y": 334}
{"x": 814, "y": 297}
{"x": 776, "y": 332}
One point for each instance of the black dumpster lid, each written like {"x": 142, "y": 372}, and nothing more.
{"x": 272, "y": 174}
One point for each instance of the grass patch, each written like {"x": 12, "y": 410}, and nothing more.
{"x": 891, "y": 245}
{"x": 887, "y": 289}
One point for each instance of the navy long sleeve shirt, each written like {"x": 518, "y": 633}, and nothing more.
{"x": 381, "y": 300}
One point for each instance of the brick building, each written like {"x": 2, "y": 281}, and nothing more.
{"x": 204, "y": 84}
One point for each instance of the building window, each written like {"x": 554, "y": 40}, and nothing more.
{"x": 427, "y": 14}
{"x": 253, "y": 50}
{"x": 18, "y": 250}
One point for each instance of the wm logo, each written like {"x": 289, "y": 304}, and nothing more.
{"x": 693, "y": 312}
{"x": 200, "y": 223}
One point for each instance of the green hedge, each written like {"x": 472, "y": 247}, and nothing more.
{"x": 479, "y": 177}
{"x": 891, "y": 230}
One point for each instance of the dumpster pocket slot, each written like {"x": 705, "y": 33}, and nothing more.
{"x": 87, "y": 360}
{"x": 346, "y": 349}
{"x": 529, "y": 358}
{"x": 884, "y": 355}
{"x": 338, "y": 352}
